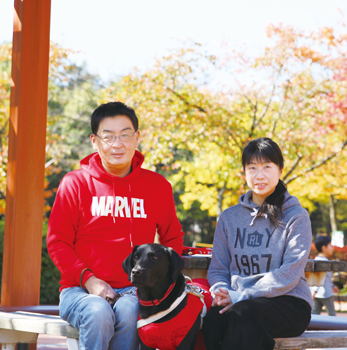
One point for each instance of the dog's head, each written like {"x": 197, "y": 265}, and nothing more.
{"x": 150, "y": 263}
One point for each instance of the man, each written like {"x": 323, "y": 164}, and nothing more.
{"x": 100, "y": 213}
{"x": 324, "y": 296}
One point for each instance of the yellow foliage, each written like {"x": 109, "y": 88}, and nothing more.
{"x": 58, "y": 60}
{"x": 200, "y": 132}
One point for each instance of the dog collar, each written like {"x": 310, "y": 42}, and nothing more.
{"x": 156, "y": 302}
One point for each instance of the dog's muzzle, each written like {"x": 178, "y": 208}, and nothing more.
{"x": 137, "y": 271}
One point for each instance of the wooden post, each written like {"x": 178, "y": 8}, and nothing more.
{"x": 26, "y": 158}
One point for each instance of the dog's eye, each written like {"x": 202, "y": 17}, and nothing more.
{"x": 154, "y": 257}
{"x": 136, "y": 257}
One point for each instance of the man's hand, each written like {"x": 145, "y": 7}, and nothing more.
{"x": 222, "y": 298}
{"x": 335, "y": 289}
{"x": 99, "y": 287}
{"x": 313, "y": 295}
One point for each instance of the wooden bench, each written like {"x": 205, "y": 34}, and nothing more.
{"x": 24, "y": 327}
{"x": 314, "y": 340}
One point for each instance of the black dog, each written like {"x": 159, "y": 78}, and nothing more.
{"x": 156, "y": 272}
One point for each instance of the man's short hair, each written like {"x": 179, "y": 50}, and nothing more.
{"x": 112, "y": 109}
{"x": 321, "y": 241}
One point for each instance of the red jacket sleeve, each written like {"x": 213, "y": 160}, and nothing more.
{"x": 169, "y": 229}
{"x": 62, "y": 227}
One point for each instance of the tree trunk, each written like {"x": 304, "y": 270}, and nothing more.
{"x": 332, "y": 212}
{"x": 220, "y": 198}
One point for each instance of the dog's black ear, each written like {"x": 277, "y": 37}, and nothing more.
{"x": 176, "y": 262}
{"x": 128, "y": 263}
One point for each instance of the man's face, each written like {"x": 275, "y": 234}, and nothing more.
{"x": 116, "y": 158}
{"x": 328, "y": 250}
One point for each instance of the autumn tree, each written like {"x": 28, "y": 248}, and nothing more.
{"x": 70, "y": 105}
{"x": 198, "y": 111}
{"x": 72, "y": 94}
{"x": 5, "y": 66}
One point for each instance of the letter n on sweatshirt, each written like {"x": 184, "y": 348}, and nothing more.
{"x": 239, "y": 238}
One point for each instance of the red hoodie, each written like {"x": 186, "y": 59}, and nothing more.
{"x": 85, "y": 230}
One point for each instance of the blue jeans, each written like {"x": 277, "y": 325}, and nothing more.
{"x": 100, "y": 326}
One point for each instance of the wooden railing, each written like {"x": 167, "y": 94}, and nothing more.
{"x": 195, "y": 266}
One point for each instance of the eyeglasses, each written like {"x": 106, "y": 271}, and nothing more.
{"x": 111, "y": 139}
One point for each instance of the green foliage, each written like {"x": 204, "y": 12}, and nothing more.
{"x": 50, "y": 276}
{"x": 70, "y": 105}
{"x": 197, "y": 225}
{"x": 69, "y": 109}
{"x": 5, "y": 69}
{"x": 343, "y": 291}
{"x": 2, "y": 229}
{"x": 321, "y": 221}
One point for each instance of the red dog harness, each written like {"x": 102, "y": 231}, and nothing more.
{"x": 156, "y": 301}
{"x": 168, "y": 335}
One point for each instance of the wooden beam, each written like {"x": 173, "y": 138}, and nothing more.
{"x": 314, "y": 340}
{"x": 26, "y": 157}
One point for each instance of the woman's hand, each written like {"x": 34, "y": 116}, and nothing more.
{"x": 99, "y": 287}
{"x": 222, "y": 298}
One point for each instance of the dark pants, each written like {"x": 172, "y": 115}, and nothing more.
{"x": 318, "y": 303}
{"x": 252, "y": 324}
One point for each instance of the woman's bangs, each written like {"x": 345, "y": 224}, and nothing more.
{"x": 259, "y": 157}
{"x": 262, "y": 150}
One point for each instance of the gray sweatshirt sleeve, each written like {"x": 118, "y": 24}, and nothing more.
{"x": 218, "y": 274}
{"x": 281, "y": 280}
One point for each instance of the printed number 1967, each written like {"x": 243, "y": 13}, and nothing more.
{"x": 250, "y": 265}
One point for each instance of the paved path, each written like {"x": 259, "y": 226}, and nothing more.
{"x": 50, "y": 342}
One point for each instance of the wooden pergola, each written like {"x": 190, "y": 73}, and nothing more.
{"x": 26, "y": 157}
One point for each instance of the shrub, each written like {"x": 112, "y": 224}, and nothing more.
{"x": 340, "y": 254}
{"x": 50, "y": 276}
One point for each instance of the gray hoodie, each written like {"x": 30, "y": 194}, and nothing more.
{"x": 252, "y": 259}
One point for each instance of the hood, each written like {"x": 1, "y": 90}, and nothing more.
{"x": 93, "y": 166}
{"x": 246, "y": 201}
{"x": 289, "y": 201}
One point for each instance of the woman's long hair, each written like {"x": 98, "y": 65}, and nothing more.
{"x": 266, "y": 150}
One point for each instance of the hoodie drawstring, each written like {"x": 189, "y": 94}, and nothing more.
{"x": 131, "y": 217}
{"x": 256, "y": 214}
{"x": 114, "y": 203}
{"x": 131, "y": 211}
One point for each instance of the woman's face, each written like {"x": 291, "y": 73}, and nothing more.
{"x": 262, "y": 178}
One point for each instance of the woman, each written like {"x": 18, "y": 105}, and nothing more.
{"x": 260, "y": 250}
